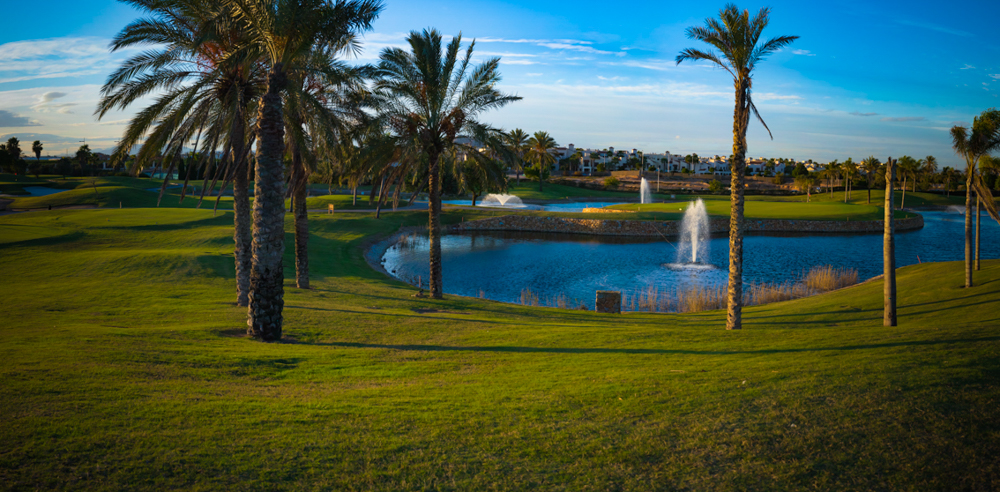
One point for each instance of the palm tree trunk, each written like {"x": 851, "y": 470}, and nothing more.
{"x": 434, "y": 222}
{"x": 267, "y": 271}
{"x": 354, "y": 193}
{"x": 889, "y": 252}
{"x": 734, "y": 312}
{"x": 902, "y": 202}
{"x": 242, "y": 231}
{"x": 869, "y": 181}
{"x": 968, "y": 227}
{"x": 300, "y": 191}
{"x": 977, "y": 232}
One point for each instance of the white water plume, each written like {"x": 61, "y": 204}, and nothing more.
{"x": 501, "y": 200}
{"x": 645, "y": 195}
{"x": 694, "y": 241}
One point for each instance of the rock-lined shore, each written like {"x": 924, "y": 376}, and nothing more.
{"x": 609, "y": 227}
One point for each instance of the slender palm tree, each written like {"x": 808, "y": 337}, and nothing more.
{"x": 36, "y": 147}
{"x": 736, "y": 35}
{"x": 287, "y": 34}
{"x": 204, "y": 84}
{"x": 518, "y": 141}
{"x": 983, "y": 138}
{"x": 870, "y": 167}
{"x": 832, "y": 172}
{"x": 430, "y": 96}
{"x": 908, "y": 168}
{"x": 540, "y": 147}
{"x": 850, "y": 169}
{"x": 889, "y": 249}
{"x": 929, "y": 169}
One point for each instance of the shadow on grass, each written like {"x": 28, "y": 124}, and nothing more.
{"x": 560, "y": 350}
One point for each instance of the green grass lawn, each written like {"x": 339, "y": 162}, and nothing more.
{"x": 125, "y": 367}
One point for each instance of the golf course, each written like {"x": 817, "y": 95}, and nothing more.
{"x": 127, "y": 366}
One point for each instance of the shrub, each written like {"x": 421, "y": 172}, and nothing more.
{"x": 779, "y": 179}
{"x": 714, "y": 186}
{"x": 611, "y": 182}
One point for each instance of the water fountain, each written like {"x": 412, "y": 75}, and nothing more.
{"x": 501, "y": 200}
{"x": 645, "y": 196}
{"x": 692, "y": 249}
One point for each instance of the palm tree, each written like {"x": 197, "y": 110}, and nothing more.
{"x": 908, "y": 168}
{"x": 287, "y": 34}
{"x": 429, "y": 97}
{"x": 736, "y": 35}
{"x": 205, "y": 83}
{"x": 889, "y": 249}
{"x": 832, "y": 171}
{"x": 518, "y": 141}
{"x": 540, "y": 147}
{"x": 850, "y": 170}
{"x": 870, "y": 167}
{"x": 983, "y": 139}
{"x": 929, "y": 168}
{"x": 36, "y": 147}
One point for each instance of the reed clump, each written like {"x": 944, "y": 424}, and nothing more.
{"x": 826, "y": 278}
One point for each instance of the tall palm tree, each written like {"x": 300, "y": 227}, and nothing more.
{"x": 832, "y": 172}
{"x": 518, "y": 141}
{"x": 870, "y": 167}
{"x": 983, "y": 138}
{"x": 850, "y": 169}
{"x": 929, "y": 168}
{"x": 429, "y": 96}
{"x": 36, "y": 147}
{"x": 908, "y": 168}
{"x": 889, "y": 249}
{"x": 540, "y": 147}
{"x": 286, "y": 33}
{"x": 204, "y": 84}
{"x": 735, "y": 35}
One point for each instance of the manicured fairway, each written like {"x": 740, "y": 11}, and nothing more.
{"x": 126, "y": 367}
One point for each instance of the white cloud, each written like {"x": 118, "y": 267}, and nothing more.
{"x": 905, "y": 118}
{"x": 46, "y": 104}
{"x": 803, "y": 52}
{"x": 995, "y": 75}
{"x": 967, "y": 67}
{"x": 556, "y": 44}
{"x": 57, "y": 58}
{"x": 770, "y": 96}
{"x": 533, "y": 75}
{"x": 934, "y": 27}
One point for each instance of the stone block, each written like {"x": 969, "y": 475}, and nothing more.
{"x": 609, "y": 301}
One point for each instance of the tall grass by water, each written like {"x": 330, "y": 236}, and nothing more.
{"x": 693, "y": 299}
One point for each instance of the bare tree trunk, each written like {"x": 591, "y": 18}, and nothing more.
{"x": 242, "y": 230}
{"x": 734, "y": 312}
{"x": 354, "y": 193}
{"x": 889, "y": 251}
{"x": 381, "y": 198}
{"x": 434, "y": 222}
{"x": 267, "y": 272}
{"x": 968, "y": 226}
{"x": 977, "y": 232}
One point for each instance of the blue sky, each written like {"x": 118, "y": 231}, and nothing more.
{"x": 864, "y": 78}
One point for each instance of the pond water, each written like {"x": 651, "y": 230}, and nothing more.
{"x": 498, "y": 265}
{"x": 41, "y": 190}
{"x": 551, "y": 207}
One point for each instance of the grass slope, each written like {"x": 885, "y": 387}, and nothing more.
{"x": 126, "y": 367}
